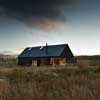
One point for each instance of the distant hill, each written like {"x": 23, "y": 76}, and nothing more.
{"x": 6, "y": 52}
{"x": 10, "y": 53}
{"x": 95, "y": 57}
{"x": 7, "y": 56}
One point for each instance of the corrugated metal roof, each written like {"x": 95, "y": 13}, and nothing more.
{"x": 43, "y": 51}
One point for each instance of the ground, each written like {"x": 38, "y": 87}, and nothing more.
{"x": 80, "y": 81}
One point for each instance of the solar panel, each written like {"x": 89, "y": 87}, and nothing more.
{"x": 30, "y": 48}
{"x": 41, "y": 47}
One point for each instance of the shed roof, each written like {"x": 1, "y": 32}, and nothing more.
{"x": 44, "y": 51}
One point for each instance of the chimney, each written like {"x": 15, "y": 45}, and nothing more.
{"x": 46, "y": 49}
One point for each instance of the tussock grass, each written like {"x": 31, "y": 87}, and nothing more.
{"x": 79, "y": 81}
{"x": 50, "y": 84}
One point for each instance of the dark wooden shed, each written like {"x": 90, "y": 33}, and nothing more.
{"x": 46, "y": 55}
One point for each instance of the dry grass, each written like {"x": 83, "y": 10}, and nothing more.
{"x": 50, "y": 84}
{"x": 72, "y": 82}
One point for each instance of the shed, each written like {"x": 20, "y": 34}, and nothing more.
{"x": 46, "y": 55}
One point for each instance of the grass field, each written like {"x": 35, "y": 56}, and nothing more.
{"x": 80, "y": 81}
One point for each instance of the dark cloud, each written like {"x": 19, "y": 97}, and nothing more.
{"x": 28, "y": 10}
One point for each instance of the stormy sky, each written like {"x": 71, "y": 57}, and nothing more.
{"x": 25, "y": 23}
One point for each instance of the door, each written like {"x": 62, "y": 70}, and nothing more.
{"x": 38, "y": 62}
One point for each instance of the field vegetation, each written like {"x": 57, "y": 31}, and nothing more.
{"x": 80, "y": 81}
